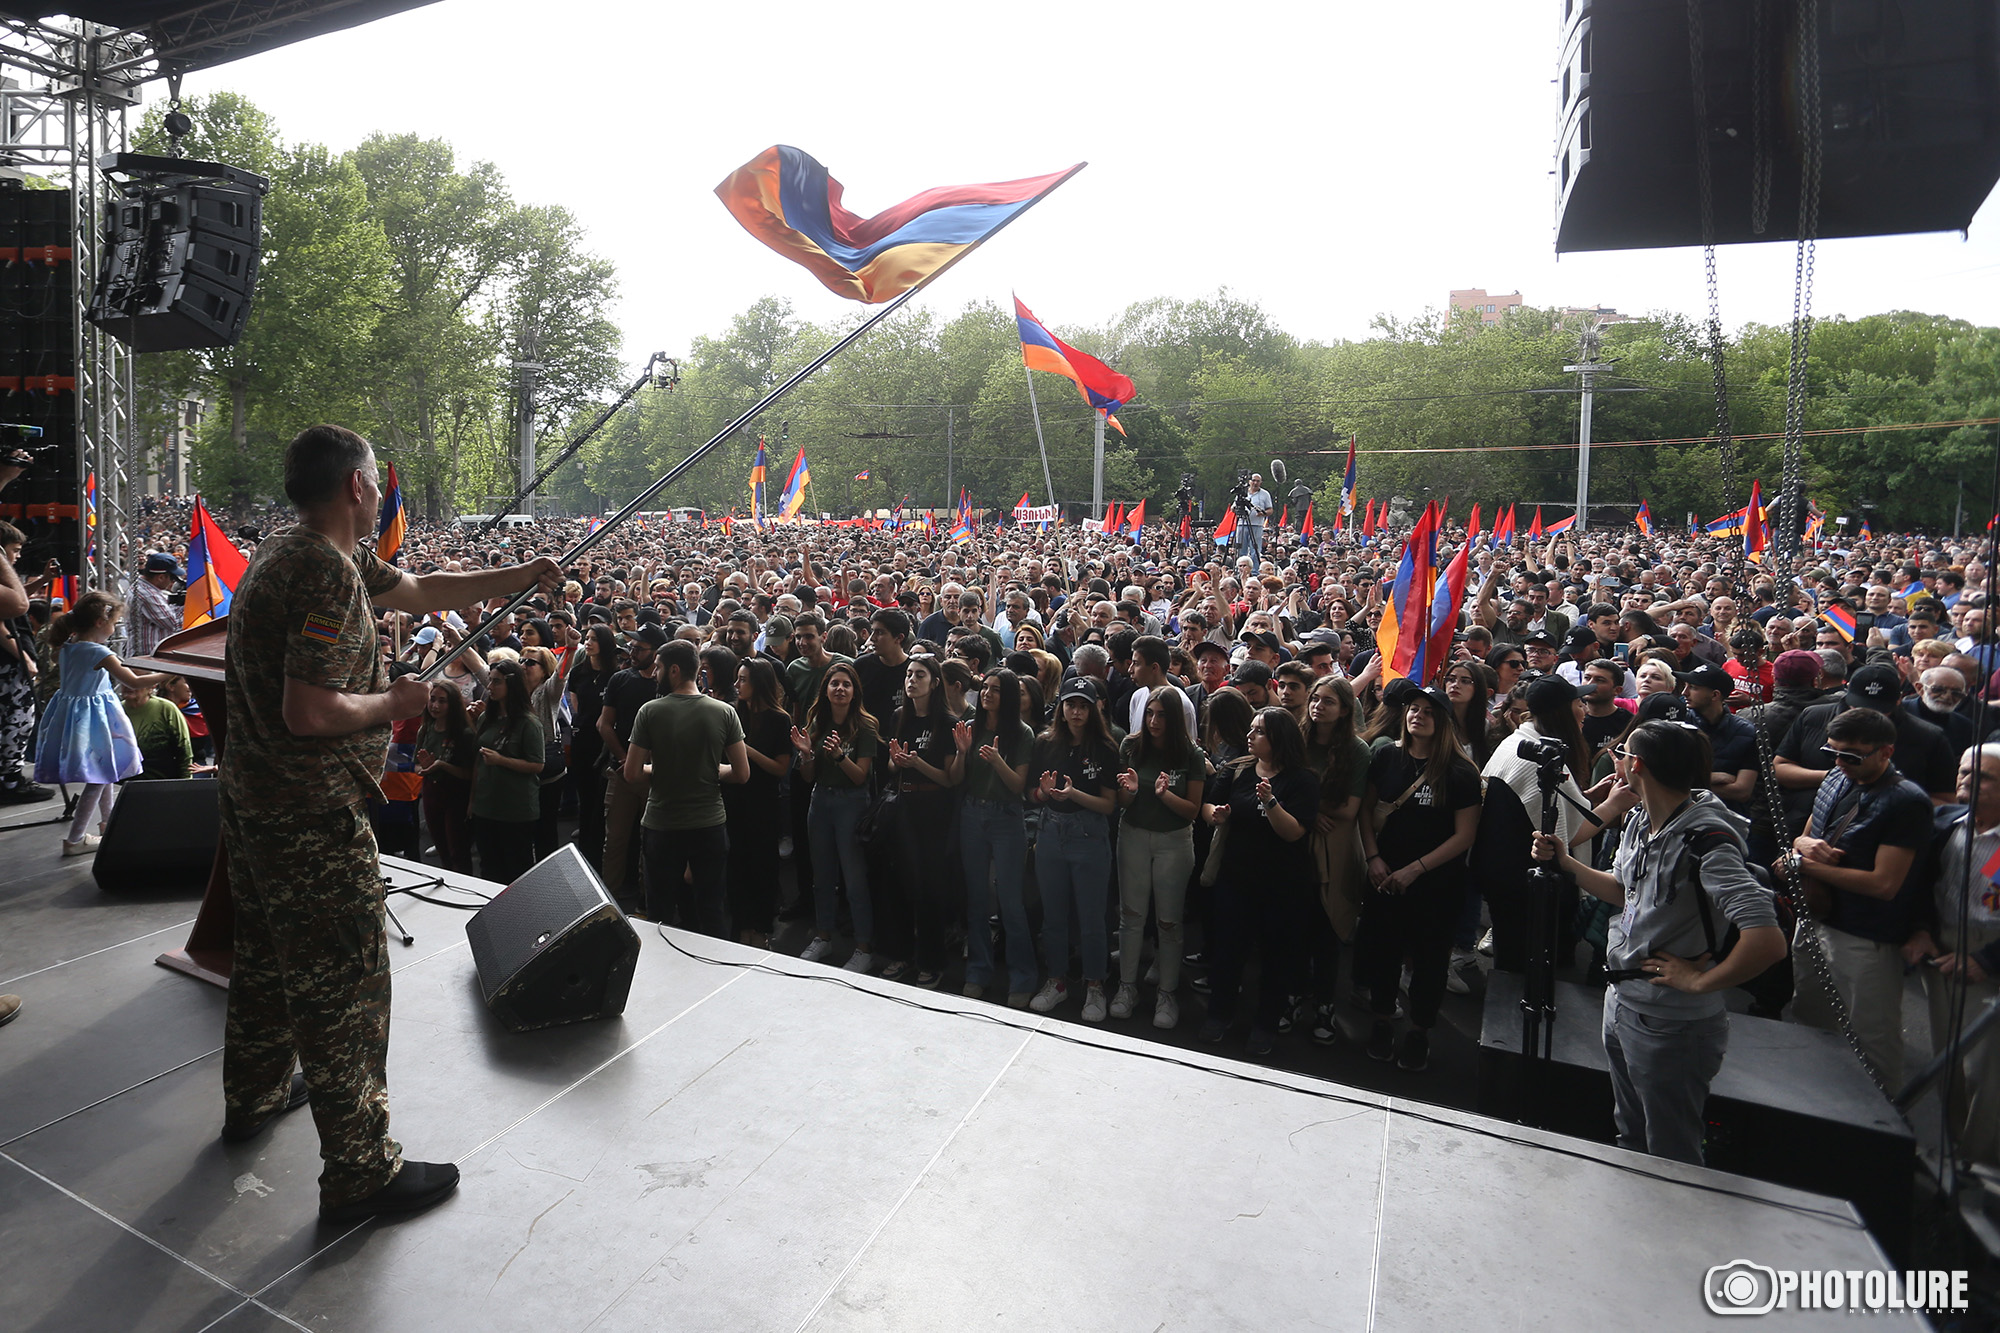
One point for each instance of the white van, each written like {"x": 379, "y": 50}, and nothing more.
{"x": 480, "y": 520}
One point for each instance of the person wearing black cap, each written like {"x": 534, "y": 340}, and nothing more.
{"x": 1859, "y": 859}
{"x": 153, "y": 617}
{"x": 1071, "y": 775}
{"x": 1512, "y": 811}
{"x": 1418, "y": 820}
{"x": 1541, "y": 652}
{"x": 1733, "y": 739}
{"x": 1922, "y": 753}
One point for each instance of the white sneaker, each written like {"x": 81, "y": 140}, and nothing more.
{"x": 784, "y": 847}
{"x": 1093, "y": 1005}
{"x": 816, "y": 950}
{"x": 1124, "y": 1001}
{"x": 1166, "y": 1011}
{"x": 83, "y": 846}
{"x": 1052, "y": 993}
{"x": 858, "y": 962}
{"x": 1486, "y": 943}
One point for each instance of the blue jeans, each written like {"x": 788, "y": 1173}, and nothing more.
{"x": 831, "y": 822}
{"x": 1073, "y": 864}
{"x": 993, "y": 839}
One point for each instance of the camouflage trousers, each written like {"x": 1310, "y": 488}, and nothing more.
{"x": 17, "y": 723}
{"x": 311, "y": 984}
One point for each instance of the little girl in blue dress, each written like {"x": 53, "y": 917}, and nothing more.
{"x": 85, "y": 735}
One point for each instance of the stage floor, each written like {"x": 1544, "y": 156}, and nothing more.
{"x": 788, "y": 1147}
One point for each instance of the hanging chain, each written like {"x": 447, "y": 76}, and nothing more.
{"x": 1760, "y": 116}
{"x": 1806, "y": 940}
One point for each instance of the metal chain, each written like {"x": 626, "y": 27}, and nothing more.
{"x": 1760, "y": 155}
{"x": 1806, "y": 940}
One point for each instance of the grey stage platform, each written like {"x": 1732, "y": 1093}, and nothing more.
{"x": 754, "y": 1151}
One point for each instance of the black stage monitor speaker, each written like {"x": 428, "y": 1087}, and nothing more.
{"x": 161, "y": 835}
{"x": 552, "y": 947}
{"x": 1909, "y": 119}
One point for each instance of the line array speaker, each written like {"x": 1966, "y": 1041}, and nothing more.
{"x": 181, "y": 249}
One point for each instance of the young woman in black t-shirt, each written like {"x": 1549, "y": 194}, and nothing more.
{"x": 837, "y": 750}
{"x": 1072, "y": 776}
{"x": 1268, "y": 801}
{"x": 1418, "y": 819}
{"x": 585, "y": 685}
{"x": 920, "y": 758}
{"x": 755, "y": 816}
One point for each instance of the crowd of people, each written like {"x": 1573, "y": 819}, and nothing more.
{"x": 1061, "y": 758}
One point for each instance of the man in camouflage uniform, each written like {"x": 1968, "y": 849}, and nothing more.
{"x": 310, "y": 707}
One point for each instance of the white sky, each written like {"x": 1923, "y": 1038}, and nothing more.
{"x": 1330, "y": 160}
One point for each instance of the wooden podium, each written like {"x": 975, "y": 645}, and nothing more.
{"x": 197, "y": 654}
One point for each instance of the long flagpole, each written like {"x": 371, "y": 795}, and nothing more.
{"x": 1097, "y": 469}
{"x": 1040, "y": 443}
{"x": 590, "y": 539}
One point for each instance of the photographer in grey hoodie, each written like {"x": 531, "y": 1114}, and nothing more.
{"x": 1665, "y": 1028}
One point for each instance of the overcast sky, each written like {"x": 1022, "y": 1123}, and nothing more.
{"x": 1332, "y": 160}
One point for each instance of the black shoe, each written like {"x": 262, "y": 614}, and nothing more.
{"x": 416, "y": 1187}
{"x": 1261, "y": 1043}
{"x": 1214, "y": 1030}
{"x": 296, "y": 1098}
{"x": 25, "y": 794}
{"x": 1326, "y": 1031}
{"x": 1382, "y": 1041}
{"x": 1416, "y": 1052}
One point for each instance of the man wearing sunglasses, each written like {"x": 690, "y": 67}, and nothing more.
{"x": 1857, "y": 860}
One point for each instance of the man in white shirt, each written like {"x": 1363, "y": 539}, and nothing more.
{"x": 1150, "y": 659}
{"x": 153, "y": 617}
{"x": 1260, "y": 515}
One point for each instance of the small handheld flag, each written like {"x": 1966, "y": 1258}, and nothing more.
{"x": 862, "y": 475}
{"x": 1841, "y": 619}
{"x": 1644, "y": 518}
{"x": 390, "y": 529}
{"x": 759, "y": 512}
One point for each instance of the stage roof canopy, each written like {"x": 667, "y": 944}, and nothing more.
{"x": 185, "y": 36}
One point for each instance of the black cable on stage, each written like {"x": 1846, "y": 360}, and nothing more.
{"x": 437, "y": 882}
{"x": 1000, "y": 1019}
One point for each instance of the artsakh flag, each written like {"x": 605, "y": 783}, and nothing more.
{"x": 214, "y": 568}
{"x": 1535, "y": 528}
{"x": 1101, "y": 386}
{"x": 788, "y": 201}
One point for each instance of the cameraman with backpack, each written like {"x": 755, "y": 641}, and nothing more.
{"x": 1681, "y": 880}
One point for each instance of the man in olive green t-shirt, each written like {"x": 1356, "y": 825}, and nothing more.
{"x": 699, "y": 742}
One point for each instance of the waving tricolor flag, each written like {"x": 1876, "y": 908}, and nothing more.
{"x": 389, "y": 529}
{"x": 788, "y": 201}
{"x": 1644, "y": 518}
{"x": 760, "y": 513}
{"x": 1535, "y": 528}
{"x": 1756, "y": 529}
{"x": 1101, "y": 386}
{"x": 962, "y": 530}
{"x": 1368, "y": 522}
{"x": 1347, "y": 483}
{"x": 214, "y": 567}
{"x": 1135, "y": 521}
{"x": 1557, "y": 528}
{"x": 1503, "y": 528}
{"x": 1867, "y": 533}
{"x": 1306, "y": 523}
{"x": 1841, "y": 619}
{"x": 794, "y": 495}
{"x": 1403, "y": 638}
{"x": 1226, "y": 527}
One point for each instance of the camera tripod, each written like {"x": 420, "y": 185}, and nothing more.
{"x": 1544, "y": 932}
